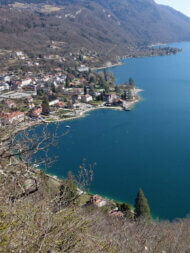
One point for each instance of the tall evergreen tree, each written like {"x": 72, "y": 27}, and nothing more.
{"x": 53, "y": 88}
{"x": 80, "y": 57}
{"x": 131, "y": 82}
{"x": 141, "y": 206}
{"x": 124, "y": 95}
{"x": 105, "y": 75}
{"x": 67, "y": 83}
{"x": 85, "y": 90}
{"x": 117, "y": 89}
{"x": 45, "y": 106}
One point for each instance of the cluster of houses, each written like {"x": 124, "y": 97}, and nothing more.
{"x": 115, "y": 100}
{"x": 98, "y": 201}
{"x": 65, "y": 89}
{"x": 12, "y": 117}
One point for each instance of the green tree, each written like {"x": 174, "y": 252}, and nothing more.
{"x": 105, "y": 75}
{"x": 141, "y": 206}
{"x": 126, "y": 209}
{"x": 67, "y": 83}
{"x": 124, "y": 95}
{"x": 91, "y": 78}
{"x": 92, "y": 91}
{"x": 80, "y": 57}
{"x": 40, "y": 92}
{"x": 53, "y": 88}
{"x": 128, "y": 94}
{"x": 106, "y": 87}
{"x": 85, "y": 90}
{"x": 45, "y": 106}
{"x": 131, "y": 82}
{"x": 117, "y": 89}
{"x": 101, "y": 97}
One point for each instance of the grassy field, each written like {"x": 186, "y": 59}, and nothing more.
{"x": 96, "y": 103}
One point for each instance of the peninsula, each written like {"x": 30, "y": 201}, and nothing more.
{"x": 59, "y": 94}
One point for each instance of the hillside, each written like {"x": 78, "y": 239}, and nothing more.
{"x": 108, "y": 27}
{"x": 42, "y": 214}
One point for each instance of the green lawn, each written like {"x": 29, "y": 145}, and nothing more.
{"x": 61, "y": 112}
{"x": 96, "y": 103}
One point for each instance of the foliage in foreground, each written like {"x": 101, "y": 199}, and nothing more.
{"x": 46, "y": 221}
{"x": 41, "y": 214}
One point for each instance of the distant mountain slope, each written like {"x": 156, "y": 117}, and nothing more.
{"x": 104, "y": 25}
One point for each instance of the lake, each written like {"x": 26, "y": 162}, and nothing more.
{"x": 148, "y": 147}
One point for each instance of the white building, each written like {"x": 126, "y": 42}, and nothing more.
{"x": 17, "y": 95}
{"x": 18, "y": 53}
{"x": 87, "y": 98}
{"x": 83, "y": 68}
{"x": 4, "y": 86}
{"x": 7, "y": 78}
{"x": 26, "y": 82}
{"x": 54, "y": 102}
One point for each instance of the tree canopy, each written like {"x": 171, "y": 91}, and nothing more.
{"x": 141, "y": 206}
{"x": 45, "y": 106}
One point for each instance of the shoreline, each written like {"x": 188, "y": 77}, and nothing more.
{"x": 110, "y": 66}
{"x": 120, "y": 58}
{"x": 82, "y": 114}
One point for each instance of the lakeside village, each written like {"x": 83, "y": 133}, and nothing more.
{"x": 59, "y": 94}
{"x": 33, "y": 97}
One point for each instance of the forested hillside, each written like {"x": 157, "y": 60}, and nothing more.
{"x": 106, "y": 26}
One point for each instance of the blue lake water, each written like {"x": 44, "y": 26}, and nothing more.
{"x": 148, "y": 147}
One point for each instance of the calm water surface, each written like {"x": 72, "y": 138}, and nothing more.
{"x": 148, "y": 147}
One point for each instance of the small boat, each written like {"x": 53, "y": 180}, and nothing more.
{"x": 67, "y": 126}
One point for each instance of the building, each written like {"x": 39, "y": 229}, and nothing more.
{"x": 17, "y": 95}
{"x": 28, "y": 100}
{"x": 83, "y": 68}
{"x": 26, "y": 82}
{"x": 112, "y": 99}
{"x": 18, "y": 53}
{"x": 86, "y": 98}
{"x": 9, "y": 104}
{"x": 116, "y": 213}
{"x": 54, "y": 102}
{"x": 77, "y": 106}
{"x": 36, "y": 112}
{"x": 9, "y": 118}
{"x": 98, "y": 201}
{"x": 7, "y": 78}
{"x": 4, "y": 86}
{"x": 60, "y": 105}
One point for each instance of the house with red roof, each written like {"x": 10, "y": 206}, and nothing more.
{"x": 9, "y": 118}
{"x": 36, "y": 112}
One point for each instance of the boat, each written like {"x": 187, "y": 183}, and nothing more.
{"x": 67, "y": 126}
